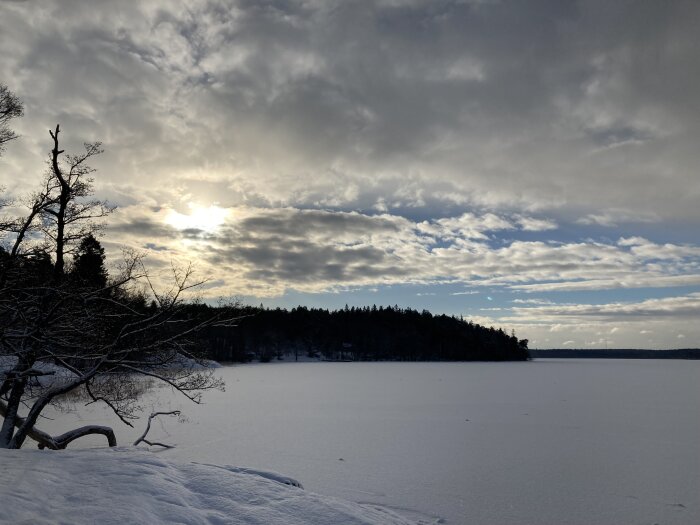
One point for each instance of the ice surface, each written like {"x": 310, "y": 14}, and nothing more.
{"x": 546, "y": 442}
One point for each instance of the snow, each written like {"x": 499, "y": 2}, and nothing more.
{"x": 128, "y": 485}
{"x": 56, "y": 375}
{"x": 560, "y": 441}
{"x": 550, "y": 441}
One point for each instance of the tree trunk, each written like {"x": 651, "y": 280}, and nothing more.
{"x": 60, "y": 237}
{"x": 63, "y": 204}
{"x": 10, "y": 413}
{"x": 44, "y": 440}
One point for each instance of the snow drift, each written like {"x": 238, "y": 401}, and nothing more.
{"x": 127, "y": 485}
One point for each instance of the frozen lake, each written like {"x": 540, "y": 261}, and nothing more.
{"x": 544, "y": 442}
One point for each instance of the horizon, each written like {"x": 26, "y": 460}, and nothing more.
{"x": 528, "y": 166}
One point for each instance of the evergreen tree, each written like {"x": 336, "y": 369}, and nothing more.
{"x": 89, "y": 263}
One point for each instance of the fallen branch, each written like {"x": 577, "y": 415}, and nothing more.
{"x": 62, "y": 441}
{"x": 143, "y": 439}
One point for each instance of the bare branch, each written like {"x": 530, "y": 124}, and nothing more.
{"x": 142, "y": 438}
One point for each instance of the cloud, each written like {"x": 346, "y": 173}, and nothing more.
{"x": 651, "y": 280}
{"x": 304, "y": 104}
{"x": 467, "y": 225}
{"x": 661, "y": 318}
{"x": 612, "y": 218}
{"x": 685, "y": 306}
{"x": 533, "y": 301}
{"x": 632, "y": 241}
{"x": 532, "y": 224}
{"x": 274, "y": 249}
{"x": 361, "y": 144}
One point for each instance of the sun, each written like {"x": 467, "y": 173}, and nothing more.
{"x": 205, "y": 218}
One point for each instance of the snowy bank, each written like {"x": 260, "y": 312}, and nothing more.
{"x": 55, "y": 375}
{"x": 127, "y": 485}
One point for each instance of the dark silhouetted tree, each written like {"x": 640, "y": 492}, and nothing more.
{"x": 89, "y": 263}
{"x": 10, "y": 107}
{"x": 70, "y": 214}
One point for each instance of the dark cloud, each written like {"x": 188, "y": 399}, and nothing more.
{"x": 311, "y": 247}
{"x": 290, "y": 223}
{"x": 155, "y": 247}
{"x": 143, "y": 227}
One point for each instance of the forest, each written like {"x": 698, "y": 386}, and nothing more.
{"x": 358, "y": 334}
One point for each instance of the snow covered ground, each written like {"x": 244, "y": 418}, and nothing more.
{"x": 127, "y": 485}
{"x": 594, "y": 442}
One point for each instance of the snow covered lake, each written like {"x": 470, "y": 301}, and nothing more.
{"x": 544, "y": 442}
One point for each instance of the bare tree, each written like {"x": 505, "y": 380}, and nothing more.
{"x": 10, "y": 107}
{"x": 70, "y": 215}
{"x": 57, "y": 336}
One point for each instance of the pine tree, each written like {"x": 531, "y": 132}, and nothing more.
{"x": 89, "y": 263}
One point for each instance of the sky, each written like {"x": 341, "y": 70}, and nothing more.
{"x": 527, "y": 165}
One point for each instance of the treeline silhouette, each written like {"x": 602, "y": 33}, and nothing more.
{"x": 359, "y": 334}
{"x": 617, "y": 353}
{"x": 352, "y": 334}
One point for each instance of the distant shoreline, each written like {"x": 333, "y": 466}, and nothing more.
{"x": 625, "y": 353}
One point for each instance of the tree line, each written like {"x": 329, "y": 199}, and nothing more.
{"x": 359, "y": 334}
{"x": 616, "y": 353}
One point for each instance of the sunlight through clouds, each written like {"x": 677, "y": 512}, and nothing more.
{"x": 207, "y": 219}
